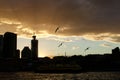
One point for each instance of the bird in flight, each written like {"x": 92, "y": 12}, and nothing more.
{"x": 87, "y": 49}
{"x": 57, "y": 29}
{"x": 60, "y": 44}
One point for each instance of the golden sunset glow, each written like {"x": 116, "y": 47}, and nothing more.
{"x": 78, "y": 22}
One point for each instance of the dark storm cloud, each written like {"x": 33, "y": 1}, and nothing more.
{"x": 77, "y": 16}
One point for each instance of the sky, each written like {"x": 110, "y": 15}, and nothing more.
{"x": 83, "y": 24}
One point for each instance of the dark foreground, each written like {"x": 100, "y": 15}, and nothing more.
{"x": 65, "y": 76}
{"x": 64, "y": 64}
{"x": 61, "y": 64}
{"x": 58, "y": 66}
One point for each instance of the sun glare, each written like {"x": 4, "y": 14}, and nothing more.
{"x": 42, "y": 54}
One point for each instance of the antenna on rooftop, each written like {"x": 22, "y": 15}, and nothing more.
{"x": 65, "y": 54}
{"x": 34, "y": 35}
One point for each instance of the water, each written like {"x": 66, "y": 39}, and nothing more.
{"x": 44, "y": 76}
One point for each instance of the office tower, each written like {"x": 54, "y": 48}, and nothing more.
{"x": 34, "y": 47}
{"x": 26, "y": 53}
{"x": 116, "y": 51}
{"x": 9, "y": 45}
{"x": 1, "y": 45}
{"x": 17, "y": 54}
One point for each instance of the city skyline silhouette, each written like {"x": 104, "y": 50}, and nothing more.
{"x": 29, "y": 60}
{"x": 59, "y": 40}
{"x": 9, "y": 47}
{"x": 79, "y": 24}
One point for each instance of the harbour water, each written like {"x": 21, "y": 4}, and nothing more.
{"x": 65, "y": 76}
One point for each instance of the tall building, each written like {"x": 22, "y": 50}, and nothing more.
{"x": 116, "y": 51}
{"x": 34, "y": 47}
{"x": 1, "y": 45}
{"x": 9, "y": 45}
{"x": 17, "y": 54}
{"x": 26, "y": 53}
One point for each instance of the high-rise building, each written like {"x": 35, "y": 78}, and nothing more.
{"x": 26, "y": 53}
{"x": 116, "y": 51}
{"x": 17, "y": 54}
{"x": 34, "y": 47}
{"x": 1, "y": 45}
{"x": 9, "y": 45}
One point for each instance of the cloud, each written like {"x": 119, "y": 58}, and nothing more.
{"x": 76, "y": 17}
{"x": 75, "y": 47}
{"x": 109, "y": 37}
{"x": 105, "y": 45}
{"x": 7, "y": 26}
{"x": 60, "y": 38}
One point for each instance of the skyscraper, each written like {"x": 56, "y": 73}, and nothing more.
{"x": 34, "y": 47}
{"x": 1, "y": 45}
{"x": 17, "y": 54}
{"x": 26, "y": 53}
{"x": 9, "y": 45}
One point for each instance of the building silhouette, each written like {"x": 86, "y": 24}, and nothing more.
{"x": 116, "y": 51}
{"x": 17, "y": 54}
{"x": 34, "y": 47}
{"x": 9, "y": 45}
{"x": 1, "y": 45}
{"x": 26, "y": 53}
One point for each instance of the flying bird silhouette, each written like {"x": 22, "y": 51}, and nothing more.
{"x": 57, "y": 29}
{"x": 60, "y": 44}
{"x": 87, "y": 49}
